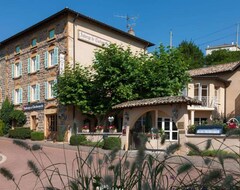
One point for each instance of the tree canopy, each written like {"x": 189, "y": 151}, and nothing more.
{"x": 119, "y": 75}
{"x": 191, "y": 54}
{"x": 222, "y": 56}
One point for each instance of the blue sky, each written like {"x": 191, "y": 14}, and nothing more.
{"x": 206, "y": 22}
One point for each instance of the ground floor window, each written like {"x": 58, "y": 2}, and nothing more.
{"x": 169, "y": 127}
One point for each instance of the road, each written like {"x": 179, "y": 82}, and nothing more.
{"x": 16, "y": 159}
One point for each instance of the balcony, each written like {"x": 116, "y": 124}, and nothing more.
{"x": 208, "y": 103}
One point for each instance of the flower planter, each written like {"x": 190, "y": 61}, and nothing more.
{"x": 112, "y": 130}
{"x": 99, "y": 131}
{"x": 85, "y": 130}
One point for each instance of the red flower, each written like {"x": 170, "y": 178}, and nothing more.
{"x": 112, "y": 127}
{"x": 85, "y": 127}
{"x": 99, "y": 128}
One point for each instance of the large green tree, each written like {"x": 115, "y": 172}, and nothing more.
{"x": 119, "y": 75}
{"x": 192, "y": 54}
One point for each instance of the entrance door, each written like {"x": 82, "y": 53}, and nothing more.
{"x": 52, "y": 126}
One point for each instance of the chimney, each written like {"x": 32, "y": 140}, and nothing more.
{"x": 131, "y": 31}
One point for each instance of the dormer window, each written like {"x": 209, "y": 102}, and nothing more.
{"x": 51, "y": 34}
{"x": 34, "y": 42}
{"x": 17, "y": 49}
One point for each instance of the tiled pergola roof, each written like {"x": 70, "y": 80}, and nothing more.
{"x": 214, "y": 69}
{"x": 158, "y": 101}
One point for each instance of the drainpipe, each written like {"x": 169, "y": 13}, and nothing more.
{"x": 74, "y": 60}
{"x": 225, "y": 103}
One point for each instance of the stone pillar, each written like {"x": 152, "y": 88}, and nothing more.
{"x": 192, "y": 117}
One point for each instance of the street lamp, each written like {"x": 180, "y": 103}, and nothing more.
{"x": 110, "y": 119}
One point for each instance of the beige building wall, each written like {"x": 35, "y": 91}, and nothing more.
{"x": 93, "y": 35}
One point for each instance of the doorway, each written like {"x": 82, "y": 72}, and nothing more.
{"x": 52, "y": 126}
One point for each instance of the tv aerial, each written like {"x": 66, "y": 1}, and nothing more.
{"x": 130, "y": 21}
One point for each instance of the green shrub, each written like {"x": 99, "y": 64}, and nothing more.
{"x": 7, "y": 108}
{"x": 93, "y": 144}
{"x": 37, "y": 136}
{"x": 191, "y": 129}
{"x": 18, "y": 118}
{"x": 213, "y": 153}
{"x": 112, "y": 143}
{"x": 2, "y": 126}
{"x": 20, "y": 133}
{"x": 77, "y": 139}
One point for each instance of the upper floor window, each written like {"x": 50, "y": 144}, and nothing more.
{"x": 49, "y": 90}
{"x": 17, "y": 70}
{"x": 51, "y": 57}
{"x": 17, "y": 49}
{"x": 34, "y": 42}
{"x": 200, "y": 91}
{"x": 51, "y": 34}
{"x": 17, "y": 96}
{"x": 34, "y": 64}
{"x": 33, "y": 93}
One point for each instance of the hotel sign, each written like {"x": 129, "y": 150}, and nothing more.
{"x": 33, "y": 107}
{"x": 92, "y": 39}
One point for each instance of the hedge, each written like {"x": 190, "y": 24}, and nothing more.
{"x": 93, "y": 144}
{"x": 20, "y": 133}
{"x": 2, "y": 126}
{"x": 112, "y": 143}
{"x": 77, "y": 139}
{"x": 37, "y": 136}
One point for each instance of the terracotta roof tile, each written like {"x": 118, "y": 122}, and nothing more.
{"x": 157, "y": 101}
{"x": 214, "y": 69}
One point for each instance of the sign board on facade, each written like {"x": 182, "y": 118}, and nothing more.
{"x": 92, "y": 38}
{"x": 61, "y": 64}
{"x": 33, "y": 107}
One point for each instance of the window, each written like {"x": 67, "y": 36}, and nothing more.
{"x": 49, "y": 92}
{"x": 34, "y": 64}
{"x": 169, "y": 127}
{"x": 17, "y": 96}
{"x": 34, "y": 42}
{"x": 17, "y": 70}
{"x": 17, "y": 49}
{"x": 51, "y": 34}
{"x": 33, "y": 93}
{"x": 200, "y": 121}
{"x": 51, "y": 58}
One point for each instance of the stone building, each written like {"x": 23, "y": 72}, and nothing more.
{"x": 31, "y": 60}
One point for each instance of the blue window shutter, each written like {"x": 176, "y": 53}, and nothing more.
{"x": 29, "y": 93}
{"x": 20, "y": 95}
{"x": 46, "y": 59}
{"x": 38, "y": 92}
{"x": 13, "y": 67}
{"x": 13, "y": 93}
{"x": 46, "y": 90}
{"x": 38, "y": 62}
{"x": 55, "y": 55}
{"x": 29, "y": 65}
{"x": 20, "y": 65}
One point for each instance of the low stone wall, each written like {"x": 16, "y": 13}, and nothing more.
{"x": 230, "y": 144}
{"x": 94, "y": 137}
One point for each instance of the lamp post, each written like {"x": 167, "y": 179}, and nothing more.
{"x": 110, "y": 119}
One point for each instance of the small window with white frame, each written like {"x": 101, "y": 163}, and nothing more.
{"x": 51, "y": 57}
{"x": 33, "y": 93}
{"x": 16, "y": 70}
{"x": 17, "y": 96}
{"x": 49, "y": 89}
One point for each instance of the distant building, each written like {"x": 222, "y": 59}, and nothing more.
{"x": 229, "y": 47}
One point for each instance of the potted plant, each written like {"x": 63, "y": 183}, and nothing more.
{"x": 112, "y": 129}
{"x": 85, "y": 129}
{"x": 99, "y": 129}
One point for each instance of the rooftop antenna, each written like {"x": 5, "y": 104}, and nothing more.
{"x": 130, "y": 21}
{"x": 171, "y": 39}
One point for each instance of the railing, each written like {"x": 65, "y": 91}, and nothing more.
{"x": 207, "y": 102}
